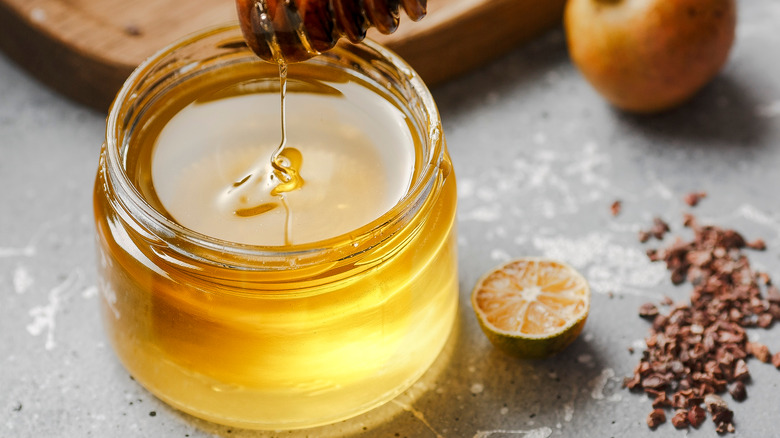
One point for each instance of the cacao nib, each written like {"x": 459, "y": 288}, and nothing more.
{"x": 776, "y": 360}
{"x": 759, "y": 351}
{"x": 680, "y": 419}
{"x": 758, "y": 245}
{"x": 615, "y": 208}
{"x": 648, "y": 310}
{"x": 656, "y": 418}
{"x": 696, "y": 416}
{"x": 699, "y": 350}
{"x": 693, "y": 198}
{"x": 737, "y": 391}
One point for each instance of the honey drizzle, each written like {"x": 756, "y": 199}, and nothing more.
{"x": 282, "y": 177}
{"x": 276, "y": 158}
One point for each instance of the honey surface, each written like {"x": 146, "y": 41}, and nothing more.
{"x": 357, "y": 160}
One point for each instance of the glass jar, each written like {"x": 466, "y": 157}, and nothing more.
{"x": 273, "y": 337}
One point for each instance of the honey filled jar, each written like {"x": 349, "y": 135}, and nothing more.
{"x": 272, "y": 309}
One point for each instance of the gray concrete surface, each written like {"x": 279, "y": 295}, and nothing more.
{"x": 539, "y": 157}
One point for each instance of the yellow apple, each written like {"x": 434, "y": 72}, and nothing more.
{"x": 649, "y": 55}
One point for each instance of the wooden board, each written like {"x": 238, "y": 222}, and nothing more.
{"x": 86, "y": 48}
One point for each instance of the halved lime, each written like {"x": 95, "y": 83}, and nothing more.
{"x": 532, "y": 307}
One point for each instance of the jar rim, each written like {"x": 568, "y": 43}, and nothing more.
{"x": 347, "y": 244}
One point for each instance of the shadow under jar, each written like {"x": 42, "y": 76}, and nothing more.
{"x": 273, "y": 336}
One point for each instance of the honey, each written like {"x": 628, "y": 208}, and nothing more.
{"x": 275, "y": 310}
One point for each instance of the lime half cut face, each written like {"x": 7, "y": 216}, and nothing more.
{"x": 532, "y": 307}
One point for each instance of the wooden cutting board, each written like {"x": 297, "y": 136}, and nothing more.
{"x": 86, "y": 48}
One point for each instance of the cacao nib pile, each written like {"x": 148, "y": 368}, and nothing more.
{"x": 700, "y": 350}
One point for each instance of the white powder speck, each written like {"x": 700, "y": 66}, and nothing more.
{"x": 22, "y": 280}
{"x": 585, "y": 359}
{"x": 607, "y": 265}
{"x": 486, "y": 194}
{"x": 538, "y": 173}
{"x": 588, "y": 337}
{"x": 600, "y": 383}
{"x": 489, "y": 213}
{"x": 664, "y": 191}
{"x": 89, "y": 292}
{"x": 44, "y": 316}
{"x": 769, "y": 110}
{"x": 477, "y": 388}
{"x": 499, "y": 255}
{"x": 589, "y": 166}
{"x": 548, "y": 210}
{"x": 27, "y": 251}
{"x": 505, "y": 185}
{"x": 752, "y": 213}
{"x": 659, "y": 188}
{"x": 30, "y": 249}
{"x": 521, "y": 240}
{"x": 420, "y": 386}
{"x": 638, "y": 344}
{"x": 472, "y": 368}
{"x": 504, "y": 410}
{"x": 466, "y": 188}
{"x": 568, "y": 411}
{"x": 552, "y": 77}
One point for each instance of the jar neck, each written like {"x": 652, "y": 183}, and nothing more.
{"x": 194, "y": 60}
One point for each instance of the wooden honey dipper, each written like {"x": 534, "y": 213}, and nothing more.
{"x": 284, "y": 31}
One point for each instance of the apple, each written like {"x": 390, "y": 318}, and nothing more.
{"x": 648, "y": 56}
